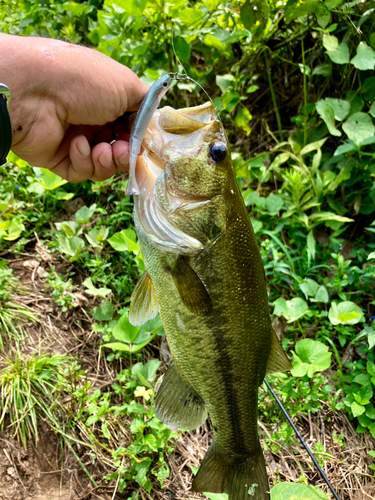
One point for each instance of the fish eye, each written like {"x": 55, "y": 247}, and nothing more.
{"x": 218, "y": 151}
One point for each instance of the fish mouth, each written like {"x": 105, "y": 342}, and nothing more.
{"x": 170, "y": 134}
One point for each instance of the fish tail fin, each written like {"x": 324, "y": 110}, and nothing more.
{"x": 242, "y": 479}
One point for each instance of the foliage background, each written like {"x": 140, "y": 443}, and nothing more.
{"x": 294, "y": 84}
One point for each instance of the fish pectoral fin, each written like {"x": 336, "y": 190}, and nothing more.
{"x": 177, "y": 403}
{"x": 192, "y": 291}
{"x": 144, "y": 304}
{"x": 277, "y": 360}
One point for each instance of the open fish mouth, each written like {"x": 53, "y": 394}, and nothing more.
{"x": 172, "y": 138}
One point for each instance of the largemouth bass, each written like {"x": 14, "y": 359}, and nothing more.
{"x": 204, "y": 274}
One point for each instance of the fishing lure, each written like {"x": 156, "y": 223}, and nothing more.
{"x": 147, "y": 108}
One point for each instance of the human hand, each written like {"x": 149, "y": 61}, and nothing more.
{"x": 66, "y": 101}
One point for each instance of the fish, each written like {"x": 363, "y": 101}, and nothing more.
{"x": 205, "y": 277}
{"x": 147, "y": 108}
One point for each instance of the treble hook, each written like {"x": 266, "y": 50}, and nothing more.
{"x": 179, "y": 76}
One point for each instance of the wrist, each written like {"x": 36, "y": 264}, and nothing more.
{"x": 24, "y": 70}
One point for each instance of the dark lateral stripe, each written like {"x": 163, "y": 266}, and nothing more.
{"x": 220, "y": 325}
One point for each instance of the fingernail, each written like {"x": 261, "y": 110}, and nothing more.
{"x": 124, "y": 159}
{"x": 83, "y": 147}
{"x": 105, "y": 159}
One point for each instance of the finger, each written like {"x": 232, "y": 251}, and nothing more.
{"x": 103, "y": 162}
{"x": 120, "y": 151}
{"x": 81, "y": 166}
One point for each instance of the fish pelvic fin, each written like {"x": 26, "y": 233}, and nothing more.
{"x": 144, "y": 304}
{"x": 177, "y": 403}
{"x": 192, "y": 291}
{"x": 277, "y": 360}
{"x": 242, "y": 479}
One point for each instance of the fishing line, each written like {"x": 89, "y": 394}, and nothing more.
{"x": 185, "y": 76}
{"x": 302, "y": 440}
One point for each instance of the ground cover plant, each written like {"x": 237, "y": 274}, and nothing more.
{"x": 294, "y": 84}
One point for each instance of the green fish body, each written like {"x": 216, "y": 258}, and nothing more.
{"x": 205, "y": 276}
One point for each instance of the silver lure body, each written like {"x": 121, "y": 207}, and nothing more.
{"x": 147, "y": 108}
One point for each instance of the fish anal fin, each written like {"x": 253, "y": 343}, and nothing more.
{"x": 177, "y": 403}
{"x": 144, "y": 304}
{"x": 192, "y": 291}
{"x": 277, "y": 360}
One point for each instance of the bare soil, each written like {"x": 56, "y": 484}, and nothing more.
{"x": 50, "y": 471}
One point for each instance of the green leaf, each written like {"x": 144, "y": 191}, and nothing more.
{"x": 92, "y": 420}
{"x": 371, "y": 256}
{"x": 105, "y": 431}
{"x": 359, "y": 127}
{"x": 372, "y": 109}
{"x": 347, "y": 147}
{"x": 339, "y": 55}
{"x": 104, "y": 312}
{"x": 15, "y": 229}
{"x": 216, "y": 496}
{"x": 327, "y": 114}
{"x": 118, "y": 346}
{"x": 323, "y": 15}
{"x": 191, "y": 17}
{"x": 291, "y": 309}
{"x": 50, "y": 181}
{"x": 212, "y": 41}
{"x": 125, "y": 331}
{"x": 96, "y": 235}
{"x": 332, "y": 4}
{"x": 274, "y": 203}
{"x": 124, "y": 241}
{"x": 71, "y": 246}
{"x": 299, "y": 8}
{"x": 323, "y": 69}
{"x": 310, "y": 357}
{"x": 321, "y": 295}
{"x": 310, "y": 247}
{"x": 252, "y": 89}
{"x": 91, "y": 290}
{"x": 364, "y": 394}
{"x": 296, "y": 491}
{"x": 230, "y": 100}
{"x": 242, "y": 118}
{"x": 141, "y": 476}
{"x": 132, "y": 7}
{"x": 69, "y": 227}
{"x": 254, "y": 15}
{"x": 330, "y": 42}
{"x": 225, "y": 82}
{"x": 340, "y": 107}
{"x": 365, "y": 58}
{"x": 257, "y": 225}
{"x": 182, "y": 49}
{"x": 84, "y": 214}
{"x": 345, "y": 313}
{"x": 148, "y": 370}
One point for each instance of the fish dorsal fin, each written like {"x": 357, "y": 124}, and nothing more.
{"x": 177, "y": 403}
{"x": 277, "y": 360}
{"x": 192, "y": 291}
{"x": 144, "y": 304}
